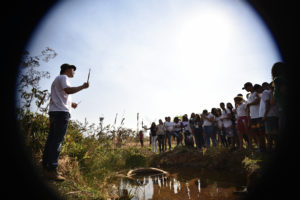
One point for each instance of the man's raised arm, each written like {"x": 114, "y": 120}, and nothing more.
{"x": 72, "y": 90}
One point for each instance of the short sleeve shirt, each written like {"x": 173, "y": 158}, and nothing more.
{"x": 254, "y": 109}
{"x": 226, "y": 122}
{"x": 207, "y": 122}
{"x": 60, "y": 100}
{"x": 262, "y": 104}
{"x": 241, "y": 110}
{"x": 169, "y": 126}
{"x": 266, "y": 95}
{"x": 177, "y": 126}
{"x": 220, "y": 122}
{"x": 186, "y": 126}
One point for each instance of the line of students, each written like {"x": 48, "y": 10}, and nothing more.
{"x": 255, "y": 119}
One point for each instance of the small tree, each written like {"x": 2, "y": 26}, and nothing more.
{"x": 29, "y": 90}
{"x": 29, "y": 80}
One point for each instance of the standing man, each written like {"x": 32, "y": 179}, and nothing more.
{"x": 253, "y": 105}
{"x": 269, "y": 115}
{"x": 59, "y": 115}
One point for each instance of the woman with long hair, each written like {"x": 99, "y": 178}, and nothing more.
{"x": 153, "y": 130}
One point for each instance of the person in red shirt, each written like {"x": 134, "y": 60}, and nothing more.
{"x": 141, "y": 136}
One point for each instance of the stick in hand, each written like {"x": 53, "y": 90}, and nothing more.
{"x": 89, "y": 75}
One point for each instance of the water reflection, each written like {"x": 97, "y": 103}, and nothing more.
{"x": 162, "y": 187}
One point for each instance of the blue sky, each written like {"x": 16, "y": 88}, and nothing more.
{"x": 156, "y": 58}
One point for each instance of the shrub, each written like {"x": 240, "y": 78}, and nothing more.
{"x": 135, "y": 160}
{"x": 33, "y": 127}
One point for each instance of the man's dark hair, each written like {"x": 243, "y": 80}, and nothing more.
{"x": 66, "y": 66}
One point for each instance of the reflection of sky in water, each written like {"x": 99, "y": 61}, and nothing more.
{"x": 188, "y": 190}
{"x": 199, "y": 186}
{"x": 176, "y": 186}
{"x": 157, "y": 186}
{"x": 144, "y": 189}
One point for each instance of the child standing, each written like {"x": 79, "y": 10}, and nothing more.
{"x": 141, "y": 136}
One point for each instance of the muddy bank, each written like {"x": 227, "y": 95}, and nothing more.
{"x": 214, "y": 159}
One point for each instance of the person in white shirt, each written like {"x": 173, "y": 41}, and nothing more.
{"x": 255, "y": 121}
{"x": 261, "y": 128}
{"x": 177, "y": 130}
{"x": 169, "y": 130}
{"x": 59, "y": 115}
{"x": 161, "y": 133}
{"x": 208, "y": 126}
{"x": 226, "y": 119}
{"x": 243, "y": 122}
{"x": 269, "y": 115}
{"x": 233, "y": 140}
{"x": 220, "y": 128}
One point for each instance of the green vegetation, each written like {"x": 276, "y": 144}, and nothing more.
{"x": 87, "y": 162}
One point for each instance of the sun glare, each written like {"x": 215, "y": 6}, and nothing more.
{"x": 204, "y": 37}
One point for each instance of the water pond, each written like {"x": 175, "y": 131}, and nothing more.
{"x": 183, "y": 184}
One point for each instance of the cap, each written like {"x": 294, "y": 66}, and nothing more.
{"x": 65, "y": 66}
{"x": 246, "y": 85}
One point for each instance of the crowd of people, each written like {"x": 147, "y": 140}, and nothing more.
{"x": 254, "y": 122}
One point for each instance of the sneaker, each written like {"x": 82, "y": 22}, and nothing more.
{"x": 54, "y": 175}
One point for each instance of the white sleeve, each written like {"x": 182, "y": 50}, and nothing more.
{"x": 265, "y": 96}
{"x": 64, "y": 82}
{"x": 256, "y": 96}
